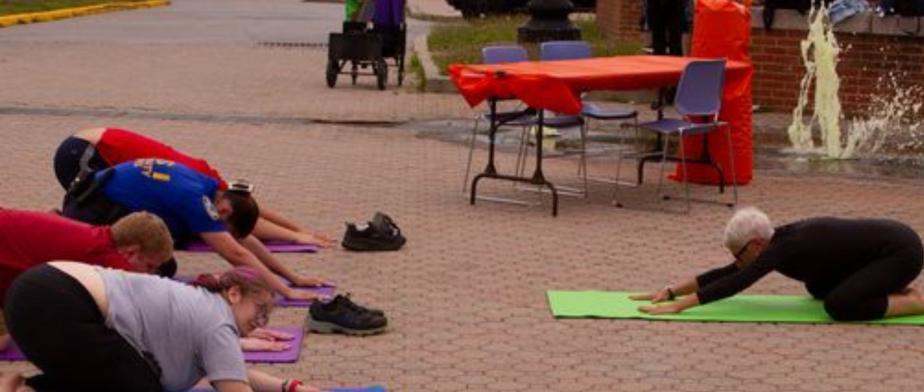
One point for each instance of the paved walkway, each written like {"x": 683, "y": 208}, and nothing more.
{"x": 466, "y": 296}
{"x": 433, "y": 8}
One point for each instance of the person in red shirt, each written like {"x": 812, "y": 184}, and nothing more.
{"x": 100, "y": 148}
{"x": 138, "y": 242}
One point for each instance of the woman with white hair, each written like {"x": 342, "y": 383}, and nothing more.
{"x": 860, "y": 268}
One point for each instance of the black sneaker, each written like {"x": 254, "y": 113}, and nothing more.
{"x": 336, "y": 316}
{"x": 349, "y": 304}
{"x": 380, "y": 234}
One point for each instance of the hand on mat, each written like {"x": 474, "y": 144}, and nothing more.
{"x": 270, "y": 334}
{"x": 257, "y": 344}
{"x": 659, "y": 296}
{"x": 304, "y": 295}
{"x": 670, "y": 308}
{"x": 315, "y": 239}
{"x": 310, "y": 281}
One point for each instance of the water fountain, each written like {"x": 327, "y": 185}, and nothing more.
{"x": 889, "y": 125}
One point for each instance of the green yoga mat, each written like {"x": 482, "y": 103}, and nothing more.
{"x": 740, "y": 309}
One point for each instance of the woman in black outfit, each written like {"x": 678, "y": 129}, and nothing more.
{"x": 860, "y": 268}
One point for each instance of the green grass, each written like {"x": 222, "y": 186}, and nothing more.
{"x": 11, "y": 7}
{"x": 461, "y": 42}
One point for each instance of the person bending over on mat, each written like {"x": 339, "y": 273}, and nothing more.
{"x": 137, "y": 242}
{"x": 193, "y": 207}
{"x": 98, "y": 148}
{"x": 860, "y": 268}
{"x": 107, "y": 330}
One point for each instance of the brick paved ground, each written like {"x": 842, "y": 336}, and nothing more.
{"x": 466, "y": 297}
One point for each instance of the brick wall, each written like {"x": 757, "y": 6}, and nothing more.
{"x": 868, "y": 55}
{"x": 620, "y": 19}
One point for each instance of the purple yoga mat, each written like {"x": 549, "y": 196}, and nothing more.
{"x": 12, "y": 353}
{"x": 287, "y": 356}
{"x": 371, "y": 388}
{"x": 273, "y": 246}
{"x": 327, "y": 291}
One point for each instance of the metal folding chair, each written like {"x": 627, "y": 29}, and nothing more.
{"x": 573, "y": 50}
{"x": 498, "y": 54}
{"x": 699, "y": 98}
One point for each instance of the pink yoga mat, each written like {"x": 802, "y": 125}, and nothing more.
{"x": 287, "y": 356}
{"x": 12, "y": 353}
{"x": 273, "y": 246}
{"x": 281, "y": 301}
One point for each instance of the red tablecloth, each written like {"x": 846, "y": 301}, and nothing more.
{"x": 557, "y": 85}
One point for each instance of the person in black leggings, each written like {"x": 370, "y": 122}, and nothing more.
{"x": 94, "y": 329}
{"x": 860, "y": 268}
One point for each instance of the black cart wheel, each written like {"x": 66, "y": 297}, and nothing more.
{"x": 381, "y": 73}
{"x": 401, "y": 72}
{"x": 332, "y": 71}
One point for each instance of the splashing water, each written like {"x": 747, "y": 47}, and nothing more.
{"x": 820, "y": 53}
{"x": 888, "y": 120}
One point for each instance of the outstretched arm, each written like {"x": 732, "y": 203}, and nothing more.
{"x": 278, "y": 219}
{"x": 273, "y": 226}
{"x": 263, "y": 382}
{"x": 669, "y": 292}
{"x": 684, "y": 303}
{"x": 265, "y": 339}
{"x": 271, "y": 231}
{"x": 714, "y": 285}
{"x": 236, "y": 254}
{"x": 260, "y": 251}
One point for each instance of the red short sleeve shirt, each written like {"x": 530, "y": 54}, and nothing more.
{"x": 29, "y": 238}
{"x": 118, "y": 145}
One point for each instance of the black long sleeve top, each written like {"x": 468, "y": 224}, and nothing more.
{"x": 819, "y": 252}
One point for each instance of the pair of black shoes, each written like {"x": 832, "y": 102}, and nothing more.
{"x": 379, "y": 234}
{"x": 341, "y": 315}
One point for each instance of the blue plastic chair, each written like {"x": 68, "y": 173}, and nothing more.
{"x": 564, "y": 50}
{"x": 699, "y": 96}
{"x": 503, "y": 54}
{"x": 575, "y": 50}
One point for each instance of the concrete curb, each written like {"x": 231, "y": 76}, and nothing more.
{"x": 435, "y": 83}
{"x": 47, "y": 16}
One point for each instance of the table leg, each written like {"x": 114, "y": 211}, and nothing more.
{"x": 658, "y": 141}
{"x": 490, "y": 171}
{"x": 538, "y": 176}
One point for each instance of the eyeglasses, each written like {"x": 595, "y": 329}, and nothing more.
{"x": 242, "y": 186}
{"x": 741, "y": 251}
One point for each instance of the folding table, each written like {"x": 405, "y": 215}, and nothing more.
{"x": 557, "y": 86}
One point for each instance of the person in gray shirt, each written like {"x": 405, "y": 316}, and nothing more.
{"x": 96, "y": 329}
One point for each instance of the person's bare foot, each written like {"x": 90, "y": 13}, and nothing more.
{"x": 12, "y": 382}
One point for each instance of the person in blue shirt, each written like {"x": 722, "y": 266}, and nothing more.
{"x": 192, "y": 206}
